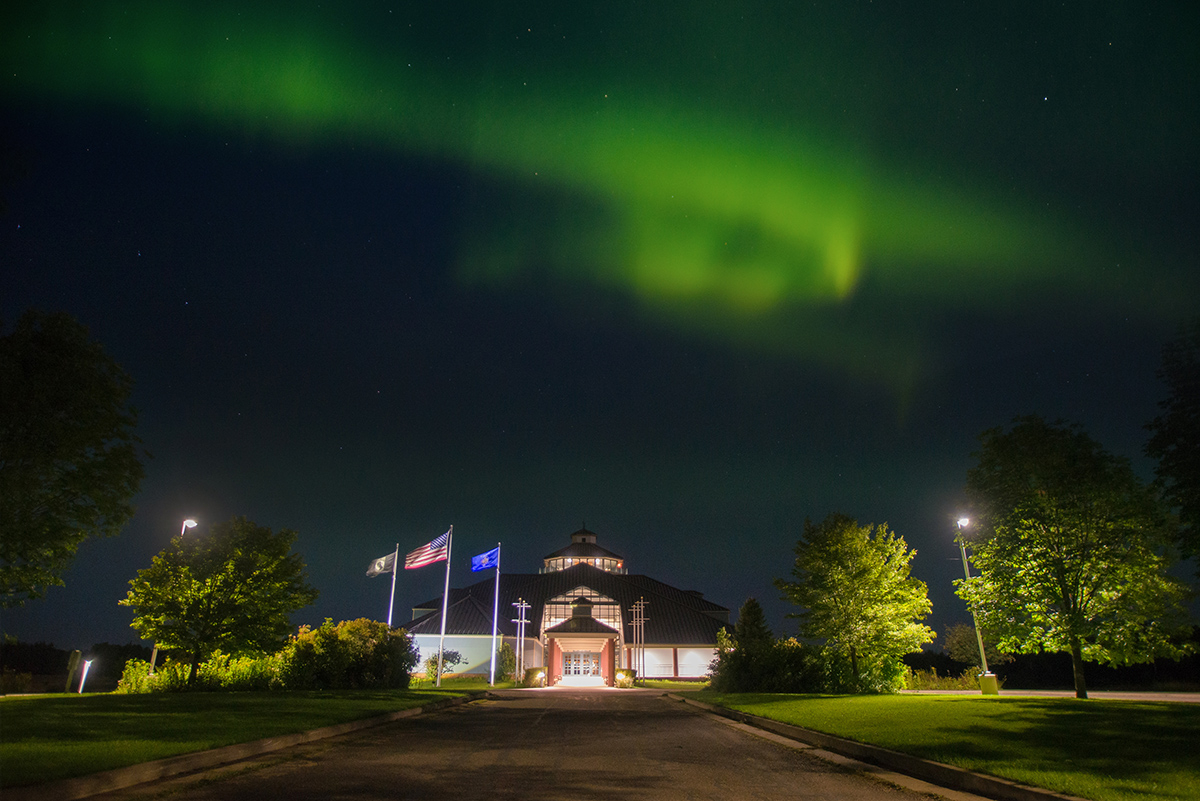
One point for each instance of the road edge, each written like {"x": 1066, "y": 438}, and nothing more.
{"x": 122, "y": 778}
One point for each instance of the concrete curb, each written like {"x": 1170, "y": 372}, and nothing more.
{"x": 938, "y": 773}
{"x": 120, "y": 778}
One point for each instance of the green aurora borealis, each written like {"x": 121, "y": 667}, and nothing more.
{"x": 689, "y": 272}
{"x": 756, "y": 226}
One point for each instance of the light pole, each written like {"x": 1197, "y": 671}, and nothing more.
{"x": 189, "y": 523}
{"x": 987, "y": 682}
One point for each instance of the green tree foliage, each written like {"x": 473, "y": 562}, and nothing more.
{"x": 506, "y": 662}
{"x": 1175, "y": 434}
{"x": 449, "y": 659}
{"x": 752, "y": 660}
{"x": 752, "y": 632}
{"x": 1070, "y": 546}
{"x": 230, "y": 589}
{"x": 354, "y": 654}
{"x": 855, "y": 594}
{"x": 70, "y": 463}
{"x": 962, "y": 645}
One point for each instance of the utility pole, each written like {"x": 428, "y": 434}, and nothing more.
{"x": 520, "y": 620}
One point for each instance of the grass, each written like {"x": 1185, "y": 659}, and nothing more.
{"x": 465, "y": 682}
{"x": 1103, "y": 750}
{"x": 668, "y": 684}
{"x": 49, "y": 737}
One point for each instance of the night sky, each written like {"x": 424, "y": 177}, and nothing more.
{"x": 689, "y": 273}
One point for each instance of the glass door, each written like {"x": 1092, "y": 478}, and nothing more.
{"x": 581, "y": 663}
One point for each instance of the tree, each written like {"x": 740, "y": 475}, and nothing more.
{"x": 752, "y": 632}
{"x": 752, "y": 660}
{"x": 506, "y": 662}
{"x": 230, "y": 589}
{"x": 1175, "y": 439}
{"x": 70, "y": 463}
{"x": 449, "y": 659}
{"x": 1070, "y": 548}
{"x": 961, "y": 645}
{"x": 855, "y": 593}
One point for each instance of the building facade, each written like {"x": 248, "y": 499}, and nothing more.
{"x": 586, "y": 616}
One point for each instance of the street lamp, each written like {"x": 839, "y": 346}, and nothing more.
{"x": 189, "y": 523}
{"x": 987, "y": 682}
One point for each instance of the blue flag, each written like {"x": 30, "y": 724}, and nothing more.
{"x": 486, "y": 561}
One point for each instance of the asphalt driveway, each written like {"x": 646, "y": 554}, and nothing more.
{"x": 538, "y": 744}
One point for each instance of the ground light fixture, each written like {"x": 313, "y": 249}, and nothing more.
{"x": 988, "y": 683}
{"x": 83, "y": 677}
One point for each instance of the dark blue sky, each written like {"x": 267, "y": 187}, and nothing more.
{"x": 301, "y": 307}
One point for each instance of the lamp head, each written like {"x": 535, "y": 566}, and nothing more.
{"x": 963, "y": 522}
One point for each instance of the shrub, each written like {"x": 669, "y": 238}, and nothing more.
{"x": 930, "y": 680}
{"x": 625, "y": 678}
{"x": 880, "y": 674}
{"x": 352, "y": 654}
{"x": 774, "y": 666}
{"x": 506, "y": 662}
{"x": 534, "y": 677}
{"x": 449, "y": 660}
{"x": 13, "y": 682}
{"x": 170, "y": 676}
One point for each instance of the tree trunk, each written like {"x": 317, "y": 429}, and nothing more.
{"x": 1077, "y": 667}
{"x": 854, "y": 668}
{"x": 195, "y": 671}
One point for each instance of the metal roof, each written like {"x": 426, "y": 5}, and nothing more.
{"x": 673, "y": 616}
{"x": 581, "y": 625}
{"x": 585, "y": 550}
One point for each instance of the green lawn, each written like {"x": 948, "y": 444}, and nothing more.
{"x": 1104, "y": 750}
{"x": 668, "y": 684}
{"x": 48, "y": 737}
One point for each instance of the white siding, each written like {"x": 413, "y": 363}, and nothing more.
{"x": 693, "y": 662}
{"x": 476, "y": 650}
{"x": 659, "y": 662}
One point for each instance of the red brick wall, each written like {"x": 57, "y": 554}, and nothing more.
{"x": 607, "y": 663}
{"x": 554, "y": 669}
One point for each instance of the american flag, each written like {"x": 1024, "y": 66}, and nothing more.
{"x": 436, "y": 551}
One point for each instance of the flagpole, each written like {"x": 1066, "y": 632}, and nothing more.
{"x": 495, "y": 617}
{"x": 445, "y": 604}
{"x": 392, "y": 597}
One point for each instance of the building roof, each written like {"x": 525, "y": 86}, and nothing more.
{"x": 673, "y": 616}
{"x": 581, "y": 625}
{"x": 466, "y": 616}
{"x": 583, "y": 546}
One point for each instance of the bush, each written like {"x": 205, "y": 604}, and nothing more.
{"x": 355, "y": 654}
{"x": 170, "y": 676}
{"x": 13, "y": 682}
{"x": 506, "y": 662}
{"x": 883, "y": 674}
{"x": 625, "y": 678}
{"x": 773, "y": 666}
{"x": 930, "y": 680}
{"x": 534, "y": 677}
{"x": 449, "y": 660}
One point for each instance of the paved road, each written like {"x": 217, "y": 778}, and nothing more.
{"x": 559, "y": 744}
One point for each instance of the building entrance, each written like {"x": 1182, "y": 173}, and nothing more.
{"x": 581, "y": 663}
